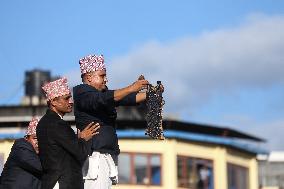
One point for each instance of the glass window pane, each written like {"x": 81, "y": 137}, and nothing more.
{"x": 140, "y": 166}
{"x": 237, "y": 177}
{"x": 180, "y": 172}
{"x": 205, "y": 174}
{"x": 192, "y": 176}
{"x": 243, "y": 172}
{"x": 124, "y": 168}
{"x": 156, "y": 170}
{"x": 195, "y": 173}
{"x": 1, "y": 162}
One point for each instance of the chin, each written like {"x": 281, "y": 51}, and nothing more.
{"x": 103, "y": 88}
{"x": 68, "y": 110}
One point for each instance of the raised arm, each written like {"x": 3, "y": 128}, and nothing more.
{"x": 138, "y": 85}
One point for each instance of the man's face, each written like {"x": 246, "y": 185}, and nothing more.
{"x": 33, "y": 140}
{"x": 98, "y": 79}
{"x": 63, "y": 104}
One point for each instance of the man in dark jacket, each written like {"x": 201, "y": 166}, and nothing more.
{"x": 22, "y": 169}
{"x": 93, "y": 102}
{"x": 62, "y": 153}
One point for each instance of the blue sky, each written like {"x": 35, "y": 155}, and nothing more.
{"x": 222, "y": 62}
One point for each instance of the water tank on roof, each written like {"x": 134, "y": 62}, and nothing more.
{"x": 34, "y": 80}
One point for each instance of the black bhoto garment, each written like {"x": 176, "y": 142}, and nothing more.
{"x": 61, "y": 153}
{"x": 22, "y": 169}
{"x": 99, "y": 107}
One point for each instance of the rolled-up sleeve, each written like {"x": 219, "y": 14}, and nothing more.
{"x": 129, "y": 100}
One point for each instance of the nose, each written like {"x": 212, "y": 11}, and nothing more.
{"x": 70, "y": 101}
{"x": 105, "y": 79}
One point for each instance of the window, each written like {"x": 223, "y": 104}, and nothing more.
{"x": 124, "y": 168}
{"x": 237, "y": 177}
{"x": 1, "y": 162}
{"x": 194, "y": 173}
{"x": 139, "y": 168}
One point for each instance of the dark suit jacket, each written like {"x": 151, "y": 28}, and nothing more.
{"x": 61, "y": 153}
{"x": 22, "y": 169}
{"x": 99, "y": 107}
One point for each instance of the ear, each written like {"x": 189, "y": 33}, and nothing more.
{"x": 87, "y": 77}
{"x": 53, "y": 102}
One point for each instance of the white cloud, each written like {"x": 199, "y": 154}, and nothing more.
{"x": 195, "y": 68}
